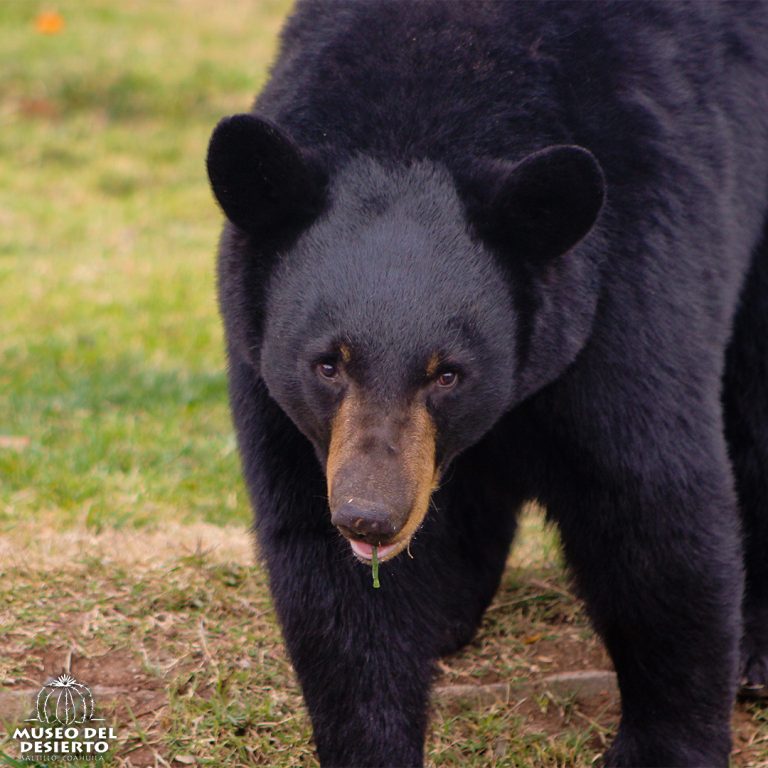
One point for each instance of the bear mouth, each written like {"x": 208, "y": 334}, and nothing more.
{"x": 363, "y": 551}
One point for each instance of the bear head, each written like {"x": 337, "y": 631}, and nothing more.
{"x": 396, "y": 312}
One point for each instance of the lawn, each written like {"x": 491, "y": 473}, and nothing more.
{"x": 113, "y": 409}
{"x": 124, "y": 552}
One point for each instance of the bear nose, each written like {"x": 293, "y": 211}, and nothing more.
{"x": 362, "y": 520}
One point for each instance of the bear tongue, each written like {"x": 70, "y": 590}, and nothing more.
{"x": 365, "y": 550}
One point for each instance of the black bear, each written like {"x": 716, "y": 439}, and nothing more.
{"x": 485, "y": 252}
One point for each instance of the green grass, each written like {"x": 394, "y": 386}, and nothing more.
{"x": 193, "y": 649}
{"x": 111, "y": 371}
{"x": 188, "y": 655}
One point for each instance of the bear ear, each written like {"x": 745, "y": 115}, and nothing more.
{"x": 264, "y": 183}
{"x": 541, "y": 206}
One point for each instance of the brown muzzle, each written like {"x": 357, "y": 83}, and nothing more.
{"x": 381, "y": 470}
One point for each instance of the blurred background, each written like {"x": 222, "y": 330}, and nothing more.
{"x": 112, "y": 391}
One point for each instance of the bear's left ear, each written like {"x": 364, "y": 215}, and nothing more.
{"x": 539, "y": 207}
{"x": 264, "y": 183}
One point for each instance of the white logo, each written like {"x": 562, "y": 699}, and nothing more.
{"x": 64, "y": 701}
{"x": 64, "y": 710}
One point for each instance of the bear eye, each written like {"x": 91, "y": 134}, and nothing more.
{"x": 447, "y": 379}
{"x": 327, "y": 370}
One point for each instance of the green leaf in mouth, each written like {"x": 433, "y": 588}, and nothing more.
{"x": 375, "y": 568}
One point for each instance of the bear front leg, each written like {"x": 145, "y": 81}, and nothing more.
{"x": 655, "y": 551}
{"x": 362, "y": 664}
{"x": 745, "y": 405}
{"x": 362, "y": 655}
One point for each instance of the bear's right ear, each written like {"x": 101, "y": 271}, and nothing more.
{"x": 540, "y": 207}
{"x": 264, "y": 183}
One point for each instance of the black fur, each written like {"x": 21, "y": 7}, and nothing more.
{"x": 368, "y": 203}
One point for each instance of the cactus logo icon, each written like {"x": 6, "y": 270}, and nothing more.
{"x": 64, "y": 700}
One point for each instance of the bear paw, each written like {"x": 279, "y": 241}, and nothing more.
{"x": 648, "y": 748}
{"x": 753, "y": 682}
{"x": 754, "y": 676}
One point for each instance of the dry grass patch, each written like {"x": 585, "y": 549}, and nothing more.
{"x": 175, "y": 632}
